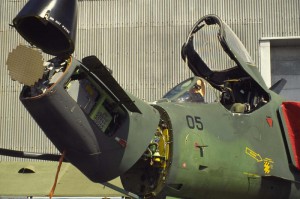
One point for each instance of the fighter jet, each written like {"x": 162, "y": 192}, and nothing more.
{"x": 243, "y": 144}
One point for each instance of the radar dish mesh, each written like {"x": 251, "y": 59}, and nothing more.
{"x": 25, "y": 65}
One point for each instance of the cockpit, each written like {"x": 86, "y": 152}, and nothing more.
{"x": 237, "y": 95}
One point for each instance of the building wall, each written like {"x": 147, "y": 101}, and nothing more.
{"x": 285, "y": 61}
{"x": 140, "y": 40}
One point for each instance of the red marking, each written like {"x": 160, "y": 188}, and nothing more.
{"x": 196, "y": 145}
{"x": 121, "y": 141}
{"x": 270, "y": 121}
{"x": 291, "y": 113}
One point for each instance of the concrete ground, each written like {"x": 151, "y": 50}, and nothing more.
{"x": 71, "y": 182}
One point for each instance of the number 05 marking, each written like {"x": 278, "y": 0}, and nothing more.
{"x": 194, "y": 122}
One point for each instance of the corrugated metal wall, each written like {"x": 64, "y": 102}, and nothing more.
{"x": 141, "y": 41}
{"x": 17, "y": 129}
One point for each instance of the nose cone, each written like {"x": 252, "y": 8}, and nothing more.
{"x": 49, "y": 25}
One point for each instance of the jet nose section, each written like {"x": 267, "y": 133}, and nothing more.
{"x": 49, "y": 25}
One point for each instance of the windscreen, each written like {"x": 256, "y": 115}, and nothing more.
{"x": 178, "y": 89}
{"x": 194, "y": 89}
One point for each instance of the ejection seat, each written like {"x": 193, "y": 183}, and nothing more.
{"x": 235, "y": 95}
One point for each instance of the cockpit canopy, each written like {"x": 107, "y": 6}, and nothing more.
{"x": 216, "y": 46}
